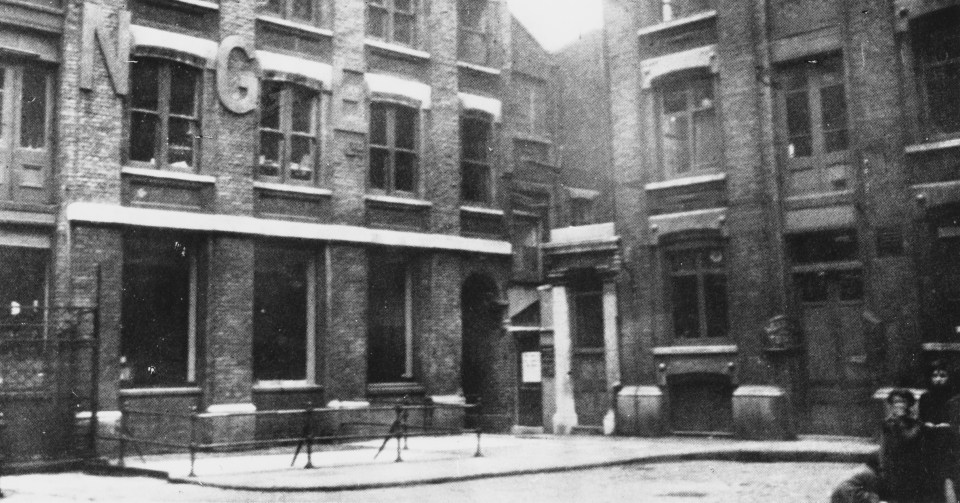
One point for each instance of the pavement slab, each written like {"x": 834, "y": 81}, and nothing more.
{"x": 431, "y": 460}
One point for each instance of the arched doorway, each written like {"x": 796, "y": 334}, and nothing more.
{"x": 480, "y": 317}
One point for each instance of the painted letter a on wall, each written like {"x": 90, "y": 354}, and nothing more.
{"x": 95, "y": 30}
{"x": 238, "y": 88}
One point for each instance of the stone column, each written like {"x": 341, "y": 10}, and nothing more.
{"x": 611, "y": 344}
{"x": 566, "y": 416}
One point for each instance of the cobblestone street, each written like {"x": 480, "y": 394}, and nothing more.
{"x": 704, "y": 482}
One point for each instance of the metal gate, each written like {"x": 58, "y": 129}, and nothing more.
{"x": 48, "y": 379}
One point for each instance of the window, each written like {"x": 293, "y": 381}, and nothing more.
{"x": 531, "y": 106}
{"x": 936, "y": 44}
{"x": 392, "y": 20}
{"x": 581, "y": 211}
{"x": 23, "y": 289}
{"x": 814, "y": 126}
{"x": 306, "y": 11}
{"x": 825, "y": 266}
{"x": 824, "y": 246}
{"x": 25, "y": 132}
{"x": 288, "y": 138}
{"x": 675, "y": 9}
{"x": 473, "y": 44}
{"x": 476, "y": 184}
{"x": 587, "y": 307}
{"x": 393, "y": 147}
{"x": 283, "y": 316}
{"x": 527, "y": 234}
{"x": 689, "y": 139}
{"x": 390, "y": 308}
{"x": 159, "y": 296}
{"x": 698, "y": 292}
{"x": 164, "y": 118}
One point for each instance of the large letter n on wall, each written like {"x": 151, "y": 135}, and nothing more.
{"x": 115, "y": 58}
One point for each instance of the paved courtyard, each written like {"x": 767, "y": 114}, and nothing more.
{"x": 678, "y": 482}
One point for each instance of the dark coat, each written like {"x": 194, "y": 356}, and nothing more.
{"x": 905, "y": 465}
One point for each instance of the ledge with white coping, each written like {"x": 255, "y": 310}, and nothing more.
{"x": 685, "y": 181}
{"x": 700, "y": 57}
{"x": 200, "y": 3}
{"x": 479, "y": 68}
{"x": 759, "y": 390}
{"x": 286, "y": 386}
{"x": 294, "y": 189}
{"x": 719, "y": 349}
{"x": 482, "y": 211}
{"x": 152, "y": 392}
{"x": 276, "y": 62}
{"x": 348, "y": 404}
{"x": 941, "y": 346}
{"x": 396, "y": 48}
{"x": 145, "y": 36}
{"x": 230, "y": 408}
{"x": 932, "y": 146}
{"x": 486, "y": 104}
{"x": 167, "y": 175}
{"x": 110, "y": 214}
{"x": 448, "y": 399}
{"x": 583, "y": 233}
{"x": 296, "y": 26}
{"x": 103, "y": 416}
{"x": 399, "y": 201}
{"x": 389, "y": 84}
{"x": 676, "y": 23}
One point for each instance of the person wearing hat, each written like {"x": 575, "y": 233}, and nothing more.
{"x": 904, "y": 468}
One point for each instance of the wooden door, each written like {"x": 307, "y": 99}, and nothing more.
{"x": 837, "y": 370}
{"x": 588, "y": 367}
{"x": 26, "y": 107}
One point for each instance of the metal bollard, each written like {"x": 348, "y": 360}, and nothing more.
{"x": 194, "y": 418}
{"x": 308, "y": 429}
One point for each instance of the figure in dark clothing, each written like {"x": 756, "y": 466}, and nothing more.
{"x": 903, "y": 463}
{"x": 943, "y": 446}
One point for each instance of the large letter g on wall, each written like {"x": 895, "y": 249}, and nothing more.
{"x": 238, "y": 83}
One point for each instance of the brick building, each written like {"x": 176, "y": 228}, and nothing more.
{"x": 786, "y": 194}
{"x": 286, "y": 202}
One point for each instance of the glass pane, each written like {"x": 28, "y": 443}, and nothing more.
{"x": 143, "y": 136}
{"x": 706, "y": 146}
{"x": 378, "y": 167}
{"x": 404, "y": 169}
{"x": 280, "y": 313}
{"x": 475, "y": 186}
{"x": 144, "y": 76}
{"x": 675, "y": 132}
{"x": 686, "y": 317}
{"x": 378, "y": 124}
{"x": 674, "y": 101}
{"x": 474, "y": 135}
{"x": 811, "y": 287}
{"x": 798, "y": 125}
{"x": 834, "y": 112}
{"x": 183, "y": 90}
{"x": 406, "y": 128}
{"x": 270, "y": 105}
{"x": 303, "y": 10}
{"x": 376, "y": 22}
{"x": 301, "y": 158}
{"x": 403, "y": 28}
{"x": 270, "y": 151}
{"x": 302, "y": 120}
{"x": 850, "y": 285}
{"x": 33, "y": 109}
{"x": 943, "y": 99}
{"x": 715, "y": 296}
{"x": 181, "y": 136}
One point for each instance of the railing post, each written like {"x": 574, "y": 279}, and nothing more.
{"x": 308, "y": 429}
{"x": 478, "y": 454}
{"x": 194, "y": 419}
{"x": 95, "y": 366}
{"x": 122, "y": 449}
{"x": 3, "y": 457}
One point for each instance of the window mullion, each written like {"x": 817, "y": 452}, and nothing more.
{"x": 814, "y": 86}
{"x": 391, "y": 116}
{"x": 285, "y": 120}
{"x": 163, "y": 111}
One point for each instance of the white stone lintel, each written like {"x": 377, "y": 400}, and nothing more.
{"x": 482, "y": 211}
{"x": 718, "y": 349}
{"x": 231, "y": 408}
{"x": 168, "y": 174}
{"x": 396, "y": 48}
{"x": 486, "y": 104}
{"x": 685, "y": 181}
{"x": 479, "y": 68}
{"x": 676, "y": 23}
{"x": 389, "y": 84}
{"x": 296, "y": 26}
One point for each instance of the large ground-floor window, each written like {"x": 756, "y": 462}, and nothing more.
{"x": 283, "y": 317}
{"x": 390, "y": 318}
{"x": 23, "y": 279}
{"x": 158, "y": 337}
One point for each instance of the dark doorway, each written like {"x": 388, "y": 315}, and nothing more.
{"x": 701, "y": 403}
{"x": 480, "y": 316}
{"x": 589, "y": 357}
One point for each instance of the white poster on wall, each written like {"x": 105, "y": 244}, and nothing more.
{"x": 530, "y": 366}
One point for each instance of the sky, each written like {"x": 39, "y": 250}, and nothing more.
{"x": 556, "y": 23}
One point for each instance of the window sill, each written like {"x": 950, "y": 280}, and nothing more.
{"x": 397, "y": 49}
{"x": 482, "y": 211}
{"x": 395, "y": 388}
{"x": 941, "y": 346}
{"x": 203, "y": 4}
{"x": 33, "y": 6}
{"x": 275, "y": 386}
{"x": 151, "y": 392}
{"x": 168, "y": 175}
{"x": 676, "y": 23}
{"x": 686, "y": 181}
{"x": 293, "y": 189}
{"x": 397, "y": 201}
{"x": 478, "y": 68}
{"x": 920, "y": 148}
{"x": 705, "y": 349}
{"x": 303, "y": 27}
